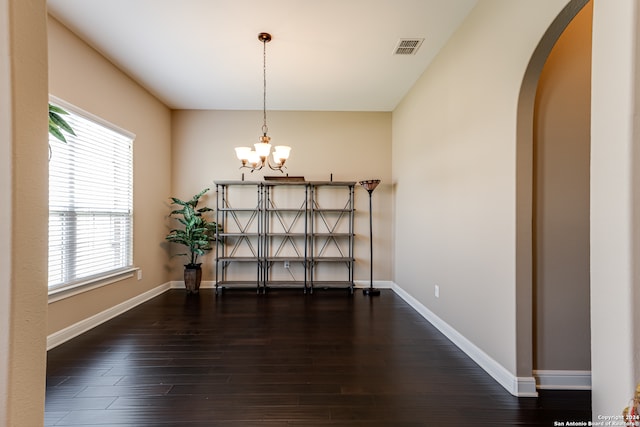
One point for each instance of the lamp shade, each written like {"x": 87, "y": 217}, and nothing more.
{"x": 370, "y": 184}
{"x": 282, "y": 151}
{"x": 263, "y": 149}
{"x": 243, "y": 153}
{"x": 254, "y": 158}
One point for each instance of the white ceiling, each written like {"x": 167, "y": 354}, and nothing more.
{"x": 326, "y": 55}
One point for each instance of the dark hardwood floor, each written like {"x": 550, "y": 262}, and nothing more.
{"x": 281, "y": 359}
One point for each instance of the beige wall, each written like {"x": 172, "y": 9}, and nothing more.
{"x": 561, "y": 208}
{"x": 23, "y": 183}
{"x": 615, "y": 167}
{"x": 456, "y": 213}
{"x": 81, "y": 76}
{"x": 6, "y": 214}
{"x": 460, "y": 118}
{"x": 352, "y": 146}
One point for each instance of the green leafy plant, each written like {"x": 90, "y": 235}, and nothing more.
{"x": 197, "y": 232}
{"x": 57, "y": 124}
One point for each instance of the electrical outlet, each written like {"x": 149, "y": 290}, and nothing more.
{"x": 437, "y": 291}
{"x": 286, "y": 264}
{"x": 140, "y": 274}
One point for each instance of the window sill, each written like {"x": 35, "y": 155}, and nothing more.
{"x": 91, "y": 284}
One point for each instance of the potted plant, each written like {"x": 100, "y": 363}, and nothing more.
{"x": 197, "y": 234}
{"x": 57, "y": 124}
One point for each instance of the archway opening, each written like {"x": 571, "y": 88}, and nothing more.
{"x": 561, "y": 161}
{"x": 531, "y": 186}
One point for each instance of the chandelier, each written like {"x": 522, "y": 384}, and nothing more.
{"x": 258, "y": 158}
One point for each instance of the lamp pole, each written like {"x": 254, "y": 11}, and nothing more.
{"x": 370, "y": 185}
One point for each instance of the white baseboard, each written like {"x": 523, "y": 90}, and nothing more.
{"x": 563, "y": 380}
{"x": 76, "y": 329}
{"x": 517, "y": 386}
{"x": 205, "y": 284}
{"x": 210, "y": 284}
{"x": 379, "y": 284}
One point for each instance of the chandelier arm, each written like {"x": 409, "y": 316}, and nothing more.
{"x": 256, "y": 168}
{"x": 267, "y": 162}
{"x": 276, "y": 168}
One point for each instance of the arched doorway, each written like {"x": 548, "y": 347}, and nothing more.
{"x": 561, "y": 154}
{"x": 530, "y": 325}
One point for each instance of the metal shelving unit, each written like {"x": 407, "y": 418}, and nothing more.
{"x": 295, "y": 234}
{"x": 331, "y": 234}
{"x": 286, "y": 234}
{"x": 241, "y": 233}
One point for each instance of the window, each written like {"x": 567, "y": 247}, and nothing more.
{"x": 90, "y": 202}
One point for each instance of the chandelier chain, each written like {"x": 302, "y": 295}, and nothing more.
{"x": 264, "y": 86}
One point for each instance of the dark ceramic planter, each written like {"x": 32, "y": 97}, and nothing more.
{"x": 192, "y": 278}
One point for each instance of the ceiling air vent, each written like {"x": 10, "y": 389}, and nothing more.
{"x": 407, "y": 46}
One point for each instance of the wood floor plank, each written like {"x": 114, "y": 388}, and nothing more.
{"x": 281, "y": 359}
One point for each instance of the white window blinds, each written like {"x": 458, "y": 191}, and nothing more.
{"x": 90, "y": 202}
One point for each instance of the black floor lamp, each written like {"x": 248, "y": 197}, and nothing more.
{"x": 370, "y": 185}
